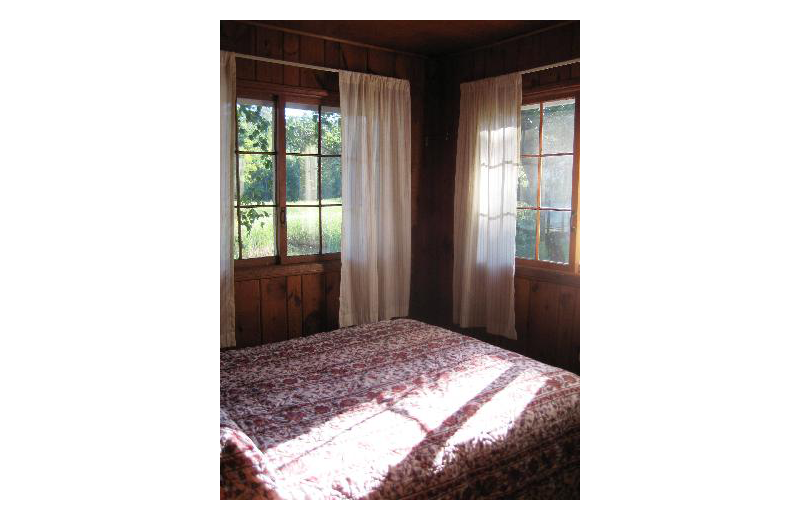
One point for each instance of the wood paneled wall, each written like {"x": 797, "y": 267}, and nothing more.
{"x": 285, "y": 302}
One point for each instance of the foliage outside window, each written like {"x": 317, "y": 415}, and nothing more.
{"x": 544, "y": 182}
{"x": 312, "y": 180}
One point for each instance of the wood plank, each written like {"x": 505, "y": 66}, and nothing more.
{"x": 294, "y": 306}
{"x": 291, "y": 52}
{"x": 495, "y": 62}
{"x": 269, "y": 44}
{"x": 522, "y": 293}
{"x": 248, "y": 313}
{"x": 245, "y": 42}
{"x": 312, "y": 52}
{"x": 511, "y": 56}
{"x": 273, "y": 310}
{"x": 566, "y": 313}
{"x": 333, "y": 59}
{"x": 576, "y": 336}
{"x": 543, "y": 321}
{"x": 354, "y": 58}
{"x": 313, "y": 303}
{"x": 380, "y": 62}
{"x": 479, "y": 64}
{"x": 402, "y": 66}
{"x": 332, "y": 280}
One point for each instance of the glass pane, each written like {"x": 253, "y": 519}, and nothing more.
{"x": 256, "y": 179}
{"x": 258, "y": 232}
{"x": 530, "y": 130}
{"x": 255, "y": 120}
{"x": 235, "y": 234}
{"x": 554, "y": 236}
{"x": 331, "y": 131}
{"x": 331, "y": 180}
{"x": 332, "y": 229}
{"x": 557, "y": 182}
{"x": 301, "y": 128}
{"x": 526, "y": 233}
{"x": 302, "y": 231}
{"x": 527, "y": 179}
{"x": 558, "y": 131}
{"x": 301, "y": 179}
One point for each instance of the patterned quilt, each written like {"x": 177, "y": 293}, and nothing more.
{"x": 395, "y": 409}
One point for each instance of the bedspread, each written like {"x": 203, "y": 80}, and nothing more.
{"x": 395, "y": 409}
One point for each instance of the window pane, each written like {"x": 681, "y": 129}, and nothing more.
{"x": 301, "y": 179}
{"x": 301, "y": 128}
{"x": 256, "y": 179}
{"x": 302, "y": 231}
{"x": 235, "y": 234}
{"x": 530, "y": 130}
{"x": 558, "y": 131}
{"x": 332, "y": 229}
{"x": 527, "y": 179}
{"x": 557, "y": 182}
{"x": 255, "y": 122}
{"x": 331, "y": 131}
{"x": 258, "y": 232}
{"x": 331, "y": 180}
{"x": 554, "y": 236}
{"x": 526, "y": 233}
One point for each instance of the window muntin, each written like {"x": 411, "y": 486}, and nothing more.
{"x": 311, "y": 180}
{"x": 544, "y": 182}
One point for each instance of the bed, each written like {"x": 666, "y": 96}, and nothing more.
{"x": 395, "y": 410}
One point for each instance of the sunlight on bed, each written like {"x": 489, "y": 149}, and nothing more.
{"x": 493, "y": 421}
{"x": 374, "y": 436}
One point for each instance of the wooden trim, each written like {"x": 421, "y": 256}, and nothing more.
{"x": 546, "y": 275}
{"x": 301, "y": 259}
{"x": 551, "y": 92}
{"x": 259, "y": 23}
{"x": 261, "y": 261}
{"x": 250, "y": 88}
{"x": 279, "y": 270}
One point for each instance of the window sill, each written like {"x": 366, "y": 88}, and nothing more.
{"x": 556, "y": 274}
{"x": 266, "y": 270}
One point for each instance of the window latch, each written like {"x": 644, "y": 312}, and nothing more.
{"x": 283, "y": 216}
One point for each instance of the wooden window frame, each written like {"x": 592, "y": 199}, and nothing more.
{"x": 280, "y": 95}
{"x": 543, "y": 95}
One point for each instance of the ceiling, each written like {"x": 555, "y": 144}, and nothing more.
{"x": 428, "y": 37}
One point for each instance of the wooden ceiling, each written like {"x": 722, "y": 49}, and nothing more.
{"x": 428, "y": 37}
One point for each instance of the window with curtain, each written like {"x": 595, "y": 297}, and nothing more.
{"x": 288, "y": 198}
{"x": 547, "y": 183}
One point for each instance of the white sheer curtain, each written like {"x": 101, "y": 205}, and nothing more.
{"x": 376, "y": 198}
{"x": 227, "y": 165}
{"x": 485, "y": 204}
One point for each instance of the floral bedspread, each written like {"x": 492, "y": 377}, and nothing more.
{"x": 395, "y": 409}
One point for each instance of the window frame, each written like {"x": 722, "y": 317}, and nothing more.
{"x": 543, "y": 95}
{"x": 280, "y": 96}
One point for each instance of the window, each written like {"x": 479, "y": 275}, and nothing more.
{"x": 545, "y": 183}
{"x": 288, "y": 200}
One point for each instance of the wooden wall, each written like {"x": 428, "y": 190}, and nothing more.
{"x": 547, "y": 305}
{"x": 311, "y": 290}
{"x": 272, "y": 304}
{"x": 285, "y": 302}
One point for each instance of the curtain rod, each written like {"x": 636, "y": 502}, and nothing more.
{"x": 328, "y": 69}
